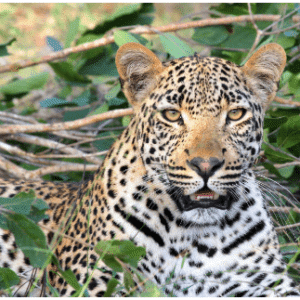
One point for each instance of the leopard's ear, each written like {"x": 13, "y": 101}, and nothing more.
{"x": 263, "y": 71}
{"x": 138, "y": 68}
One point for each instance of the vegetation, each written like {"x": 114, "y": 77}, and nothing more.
{"x": 81, "y": 90}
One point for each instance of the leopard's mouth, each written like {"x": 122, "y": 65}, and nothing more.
{"x": 206, "y": 198}
{"x": 203, "y": 198}
{"x": 204, "y": 193}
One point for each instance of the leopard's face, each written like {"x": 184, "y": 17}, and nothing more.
{"x": 201, "y": 112}
{"x": 199, "y": 121}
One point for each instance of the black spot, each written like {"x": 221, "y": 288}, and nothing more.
{"x": 137, "y": 196}
{"x": 164, "y": 222}
{"x": 173, "y": 252}
{"x": 151, "y": 204}
{"x": 124, "y": 169}
{"x": 111, "y": 194}
{"x": 168, "y": 214}
{"x": 5, "y": 237}
{"x": 92, "y": 284}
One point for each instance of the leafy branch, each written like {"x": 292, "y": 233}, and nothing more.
{"x": 147, "y": 30}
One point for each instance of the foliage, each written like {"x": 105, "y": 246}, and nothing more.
{"x": 79, "y": 78}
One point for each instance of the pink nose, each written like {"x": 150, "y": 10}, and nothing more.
{"x": 205, "y": 166}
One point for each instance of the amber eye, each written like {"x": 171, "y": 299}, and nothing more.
{"x": 236, "y": 114}
{"x": 171, "y": 115}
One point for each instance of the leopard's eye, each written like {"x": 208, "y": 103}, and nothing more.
{"x": 236, "y": 114}
{"x": 171, "y": 115}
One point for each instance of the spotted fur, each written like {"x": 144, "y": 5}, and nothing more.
{"x": 141, "y": 192}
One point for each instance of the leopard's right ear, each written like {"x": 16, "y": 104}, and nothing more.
{"x": 138, "y": 68}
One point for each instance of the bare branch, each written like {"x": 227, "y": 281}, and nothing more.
{"x": 284, "y": 209}
{"x": 286, "y": 102}
{"x": 25, "y": 138}
{"x": 11, "y": 168}
{"x": 60, "y": 168}
{"x": 10, "y": 129}
{"x": 282, "y": 228}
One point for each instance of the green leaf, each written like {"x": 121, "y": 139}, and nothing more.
{"x": 66, "y": 71}
{"x": 111, "y": 285}
{"x": 72, "y": 32}
{"x": 102, "y": 109}
{"x": 56, "y": 102}
{"x": 176, "y": 47}
{"x": 102, "y": 65}
{"x": 211, "y": 35}
{"x": 287, "y": 171}
{"x": 29, "y": 238}
{"x": 65, "y": 92}
{"x": 113, "y": 92}
{"x": 285, "y": 41}
{"x": 124, "y": 250}
{"x": 123, "y": 37}
{"x": 126, "y": 120}
{"x": 25, "y": 85}
{"x": 75, "y": 115}
{"x": 131, "y": 14}
{"x": 271, "y": 169}
{"x": 83, "y": 99}
{"x": 70, "y": 278}
{"x": 235, "y": 9}
{"x": 242, "y": 37}
{"x": 54, "y": 44}
{"x": 21, "y": 203}
{"x": 8, "y": 278}
{"x": 114, "y": 102}
{"x": 3, "y": 50}
{"x": 151, "y": 290}
{"x": 276, "y": 156}
{"x": 274, "y": 123}
{"x": 289, "y": 133}
{"x": 128, "y": 280}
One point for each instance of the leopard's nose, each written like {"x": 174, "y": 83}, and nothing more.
{"x": 205, "y": 168}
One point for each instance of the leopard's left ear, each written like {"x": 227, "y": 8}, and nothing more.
{"x": 138, "y": 68}
{"x": 263, "y": 71}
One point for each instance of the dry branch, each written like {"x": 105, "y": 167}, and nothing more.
{"x": 141, "y": 30}
{"x": 35, "y": 140}
{"x": 286, "y": 102}
{"x": 60, "y": 168}
{"x": 284, "y": 209}
{"x": 11, "y": 129}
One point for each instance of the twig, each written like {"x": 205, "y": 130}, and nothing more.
{"x": 287, "y": 102}
{"x": 25, "y": 138}
{"x": 9, "y": 129}
{"x": 83, "y": 155}
{"x": 278, "y": 166}
{"x": 139, "y": 30}
{"x": 11, "y": 168}
{"x": 281, "y": 30}
{"x": 281, "y": 228}
{"x": 284, "y": 209}
{"x": 59, "y": 169}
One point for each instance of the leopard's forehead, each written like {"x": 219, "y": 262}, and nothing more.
{"x": 192, "y": 82}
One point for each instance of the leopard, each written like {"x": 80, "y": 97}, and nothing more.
{"x": 178, "y": 181}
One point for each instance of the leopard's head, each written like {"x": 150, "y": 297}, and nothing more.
{"x": 199, "y": 121}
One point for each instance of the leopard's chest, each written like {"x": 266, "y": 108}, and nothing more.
{"x": 207, "y": 262}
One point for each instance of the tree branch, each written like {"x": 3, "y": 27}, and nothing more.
{"x": 140, "y": 30}
{"x": 11, "y": 129}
